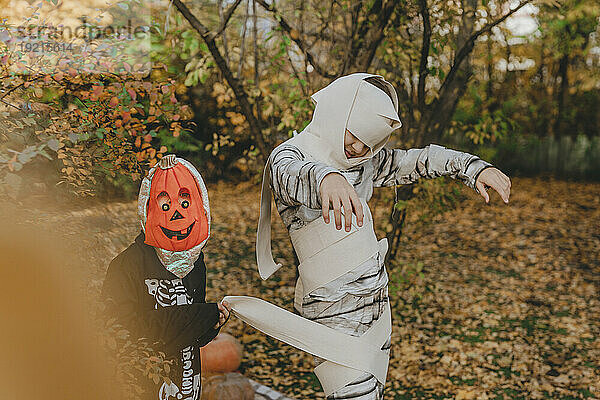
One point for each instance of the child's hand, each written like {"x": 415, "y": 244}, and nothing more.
{"x": 224, "y": 309}
{"x": 494, "y": 178}
{"x": 336, "y": 190}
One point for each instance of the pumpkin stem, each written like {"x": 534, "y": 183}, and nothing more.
{"x": 168, "y": 161}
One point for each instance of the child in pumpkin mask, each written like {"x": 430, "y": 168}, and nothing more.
{"x": 156, "y": 287}
{"x": 335, "y": 162}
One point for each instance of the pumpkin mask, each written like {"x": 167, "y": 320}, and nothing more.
{"x": 176, "y": 216}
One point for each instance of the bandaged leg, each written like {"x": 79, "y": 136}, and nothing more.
{"x": 352, "y": 315}
{"x": 348, "y": 357}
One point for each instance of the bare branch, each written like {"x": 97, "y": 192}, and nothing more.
{"x": 236, "y": 86}
{"x": 369, "y": 35}
{"x": 226, "y": 17}
{"x": 297, "y": 75}
{"x": 224, "y": 33}
{"x": 255, "y": 42}
{"x": 10, "y": 105}
{"x": 243, "y": 45}
{"x": 354, "y": 28}
{"x": 466, "y": 49}
{"x": 12, "y": 89}
{"x": 296, "y": 38}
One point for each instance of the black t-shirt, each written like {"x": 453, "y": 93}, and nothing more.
{"x": 153, "y": 303}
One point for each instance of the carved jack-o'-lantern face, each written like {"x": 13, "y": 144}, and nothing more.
{"x": 176, "y": 218}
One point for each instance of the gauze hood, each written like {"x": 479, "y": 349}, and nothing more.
{"x": 350, "y": 103}
{"x": 177, "y": 262}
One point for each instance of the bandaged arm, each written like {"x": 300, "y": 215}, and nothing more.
{"x": 294, "y": 179}
{"x": 397, "y": 166}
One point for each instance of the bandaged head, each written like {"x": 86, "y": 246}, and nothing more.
{"x": 174, "y": 212}
{"x": 351, "y": 103}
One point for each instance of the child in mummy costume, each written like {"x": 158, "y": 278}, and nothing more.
{"x": 156, "y": 287}
{"x": 342, "y": 291}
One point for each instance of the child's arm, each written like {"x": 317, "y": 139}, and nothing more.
{"x": 176, "y": 326}
{"x": 294, "y": 179}
{"x": 397, "y": 166}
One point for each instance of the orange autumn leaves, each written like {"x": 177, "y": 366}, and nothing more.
{"x": 116, "y": 122}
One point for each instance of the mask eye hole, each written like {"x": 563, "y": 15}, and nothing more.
{"x": 184, "y": 198}
{"x": 164, "y": 202}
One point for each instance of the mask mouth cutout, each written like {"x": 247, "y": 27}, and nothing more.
{"x": 179, "y": 236}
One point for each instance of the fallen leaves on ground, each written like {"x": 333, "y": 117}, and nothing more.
{"x": 489, "y": 301}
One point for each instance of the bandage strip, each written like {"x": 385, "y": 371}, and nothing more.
{"x": 318, "y": 244}
{"x": 264, "y": 254}
{"x": 347, "y": 356}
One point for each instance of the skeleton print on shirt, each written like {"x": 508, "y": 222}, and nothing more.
{"x": 172, "y": 292}
{"x": 353, "y": 176}
{"x": 168, "y": 292}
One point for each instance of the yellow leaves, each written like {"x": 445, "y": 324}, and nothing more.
{"x": 219, "y": 88}
{"x": 235, "y": 118}
{"x": 222, "y": 93}
{"x": 97, "y": 90}
{"x": 463, "y": 394}
{"x": 440, "y": 343}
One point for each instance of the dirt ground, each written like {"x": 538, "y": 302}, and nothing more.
{"x": 489, "y": 301}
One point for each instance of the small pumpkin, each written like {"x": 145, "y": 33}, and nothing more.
{"x": 230, "y": 386}
{"x": 222, "y": 354}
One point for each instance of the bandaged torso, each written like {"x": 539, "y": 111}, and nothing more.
{"x": 295, "y": 181}
{"x": 369, "y": 275}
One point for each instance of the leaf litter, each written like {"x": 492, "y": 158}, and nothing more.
{"x": 489, "y": 301}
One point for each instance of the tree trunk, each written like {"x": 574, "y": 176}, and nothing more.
{"x": 563, "y": 70}
{"x": 235, "y": 84}
{"x": 435, "y": 120}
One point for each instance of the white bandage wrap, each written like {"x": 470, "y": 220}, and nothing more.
{"x": 326, "y": 253}
{"x": 347, "y": 356}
